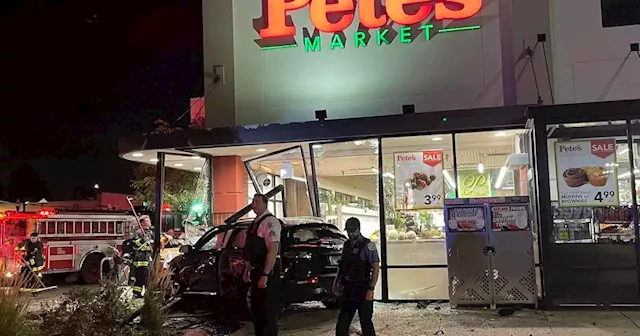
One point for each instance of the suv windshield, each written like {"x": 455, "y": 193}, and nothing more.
{"x": 314, "y": 233}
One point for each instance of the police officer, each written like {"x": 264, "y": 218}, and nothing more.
{"x": 262, "y": 251}
{"x": 33, "y": 260}
{"x": 141, "y": 261}
{"x": 356, "y": 280}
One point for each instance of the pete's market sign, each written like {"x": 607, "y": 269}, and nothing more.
{"x": 277, "y": 29}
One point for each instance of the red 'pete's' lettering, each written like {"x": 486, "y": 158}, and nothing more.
{"x": 277, "y": 11}
{"x": 575, "y": 148}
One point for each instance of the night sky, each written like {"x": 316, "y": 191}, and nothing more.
{"x": 77, "y": 75}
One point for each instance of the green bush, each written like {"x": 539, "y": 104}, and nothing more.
{"x": 14, "y": 308}
{"x": 86, "y": 312}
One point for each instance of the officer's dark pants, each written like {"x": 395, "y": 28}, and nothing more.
{"x": 354, "y": 299}
{"x": 266, "y": 304}
{"x": 142, "y": 272}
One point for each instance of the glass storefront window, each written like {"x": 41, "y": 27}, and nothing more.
{"x": 347, "y": 178}
{"x": 492, "y": 164}
{"x": 285, "y": 168}
{"x": 590, "y": 183}
{"x": 418, "y": 176}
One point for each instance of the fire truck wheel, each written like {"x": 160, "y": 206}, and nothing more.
{"x": 91, "y": 271}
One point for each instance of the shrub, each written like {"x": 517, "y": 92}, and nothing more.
{"x": 13, "y": 307}
{"x": 86, "y": 312}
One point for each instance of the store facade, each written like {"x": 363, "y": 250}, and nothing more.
{"x": 585, "y": 248}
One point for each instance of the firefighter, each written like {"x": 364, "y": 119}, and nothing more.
{"x": 127, "y": 250}
{"x": 6, "y": 255}
{"x": 356, "y": 280}
{"x": 262, "y": 250}
{"x": 141, "y": 261}
{"x": 33, "y": 260}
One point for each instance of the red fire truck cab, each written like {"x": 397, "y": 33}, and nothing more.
{"x": 74, "y": 242}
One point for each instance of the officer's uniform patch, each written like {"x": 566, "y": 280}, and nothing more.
{"x": 371, "y": 246}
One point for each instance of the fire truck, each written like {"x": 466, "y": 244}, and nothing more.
{"x": 74, "y": 242}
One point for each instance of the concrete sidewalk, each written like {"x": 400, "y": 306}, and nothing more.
{"x": 406, "y": 319}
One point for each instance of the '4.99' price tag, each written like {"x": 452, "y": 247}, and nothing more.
{"x": 605, "y": 196}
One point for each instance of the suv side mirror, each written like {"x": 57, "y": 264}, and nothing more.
{"x": 185, "y": 249}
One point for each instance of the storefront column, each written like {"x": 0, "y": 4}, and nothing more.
{"x": 384, "y": 276}
{"x": 543, "y": 191}
{"x": 634, "y": 200}
{"x": 159, "y": 202}
{"x": 230, "y": 186}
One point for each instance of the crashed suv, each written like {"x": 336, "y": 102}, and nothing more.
{"x": 213, "y": 266}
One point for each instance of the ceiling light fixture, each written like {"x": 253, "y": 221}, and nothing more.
{"x": 501, "y": 134}
{"x": 137, "y": 155}
{"x": 374, "y": 170}
{"x": 178, "y": 165}
{"x": 317, "y": 146}
{"x": 197, "y": 158}
{"x": 624, "y": 151}
{"x": 197, "y": 168}
{"x": 153, "y": 160}
{"x": 448, "y": 179}
{"x": 261, "y": 150}
{"x": 503, "y": 172}
{"x": 389, "y": 175}
{"x": 480, "y": 168}
{"x": 436, "y": 139}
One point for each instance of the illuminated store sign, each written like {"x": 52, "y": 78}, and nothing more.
{"x": 277, "y": 29}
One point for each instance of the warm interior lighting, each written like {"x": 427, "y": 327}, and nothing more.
{"x": 261, "y": 150}
{"x": 480, "y": 168}
{"x": 178, "y": 165}
{"x": 137, "y": 155}
{"x": 436, "y": 139}
{"x": 153, "y": 160}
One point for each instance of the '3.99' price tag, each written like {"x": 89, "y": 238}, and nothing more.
{"x": 432, "y": 199}
{"x": 605, "y": 196}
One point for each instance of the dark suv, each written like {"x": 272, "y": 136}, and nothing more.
{"x": 310, "y": 252}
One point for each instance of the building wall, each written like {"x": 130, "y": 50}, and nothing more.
{"x": 586, "y": 56}
{"x": 457, "y": 70}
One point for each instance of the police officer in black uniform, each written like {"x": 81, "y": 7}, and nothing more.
{"x": 262, "y": 251}
{"x": 356, "y": 280}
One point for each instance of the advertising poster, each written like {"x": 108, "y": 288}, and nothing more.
{"x": 419, "y": 180}
{"x": 469, "y": 218}
{"x": 509, "y": 217}
{"x": 473, "y": 184}
{"x": 586, "y": 173}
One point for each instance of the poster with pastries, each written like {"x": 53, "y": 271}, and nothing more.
{"x": 586, "y": 173}
{"x": 419, "y": 180}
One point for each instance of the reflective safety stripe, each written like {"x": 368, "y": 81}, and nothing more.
{"x": 137, "y": 289}
{"x": 133, "y": 278}
{"x": 140, "y": 263}
{"x": 38, "y": 268}
{"x": 32, "y": 262}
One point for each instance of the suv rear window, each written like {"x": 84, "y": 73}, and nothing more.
{"x": 316, "y": 233}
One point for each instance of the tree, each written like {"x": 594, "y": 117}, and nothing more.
{"x": 179, "y": 186}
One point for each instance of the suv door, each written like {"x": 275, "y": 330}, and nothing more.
{"x": 232, "y": 264}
